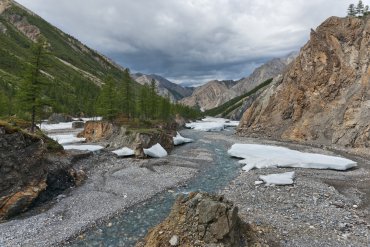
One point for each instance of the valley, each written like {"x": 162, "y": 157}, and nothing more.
{"x": 268, "y": 144}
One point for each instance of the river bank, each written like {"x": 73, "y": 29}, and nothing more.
{"x": 320, "y": 206}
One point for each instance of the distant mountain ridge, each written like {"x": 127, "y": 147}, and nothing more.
{"x": 215, "y": 93}
{"x": 164, "y": 87}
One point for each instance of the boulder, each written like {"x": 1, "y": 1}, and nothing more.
{"x": 198, "y": 219}
{"x": 97, "y": 130}
{"x": 56, "y": 118}
{"x": 78, "y": 124}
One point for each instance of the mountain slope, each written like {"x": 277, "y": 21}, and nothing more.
{"x": 210, "y": 95}
{"x": 74, "y": 71}
{"x": 266, "y": 71}
{"x": 164, "y": 87}
{"x": 324, "y": 97}
{"x": 220, "y": 95}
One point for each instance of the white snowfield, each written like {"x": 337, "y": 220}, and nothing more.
{"x": 212, "y": 124}
{"x": 67, "y": 139}
{"x": 178, "y": 140}
{"x": 265, "y": 156}
{"x": 278, "y": 179}
{"x": 156, "y": 151}
{"x": 123, "y": 152}
{"x": 91, "y": 148}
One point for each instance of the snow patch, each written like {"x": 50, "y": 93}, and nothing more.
{"x": 59, "y": 126}
{"x": 278, "y": 179}
{"x": 124, "y": 152}
{"x": 156, "y": 151}
{"x": 66, "y": 139}
{"x": 178, "y": 139}
{"x": 264, "y": 156}
{"x": 91, "y": 148}
{"x": 212, "y": 124}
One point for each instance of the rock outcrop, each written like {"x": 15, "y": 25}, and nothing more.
{"x": 29, "y": 167}
{"x": 198, "y": 219}
{"x": 114, "y": 136}
{"x": 324, "y": 96}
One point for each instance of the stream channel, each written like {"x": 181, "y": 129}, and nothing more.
{"x": 127, "y": 228}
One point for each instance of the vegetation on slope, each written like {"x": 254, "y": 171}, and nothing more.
{"x": 236, "y": 102}
{"x": 72, "y": 74}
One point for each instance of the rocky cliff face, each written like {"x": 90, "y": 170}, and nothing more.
{"x": 210, "y": 95}
{"x": 198, "y": 220}
{"x": 324, "y": 96}
{"x": 28, "y": 169}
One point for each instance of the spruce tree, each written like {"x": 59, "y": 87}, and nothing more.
{"x": 351, "y": 10}
{"x": 128, "y": 97}
{"x": 360, "y": 8}
{"x": 107, "y": 102}
{"x": 153, "y": 99}
{"x": 30, "y": 94}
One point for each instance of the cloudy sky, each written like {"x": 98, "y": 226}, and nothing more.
{"x": 190, "y": 41}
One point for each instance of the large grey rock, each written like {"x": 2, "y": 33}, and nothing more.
{"x": 199, "y": 219}
{"x": 59, "y": 118}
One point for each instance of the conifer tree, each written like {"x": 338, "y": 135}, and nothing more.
{"x": 351, "y": 10}
{"x": 30, "y": 94}
{"x": 360, "y": 8}
{"x": 107, "y": 102}
{"x": 127, "y": 95}
{"x": 153, "y": 99}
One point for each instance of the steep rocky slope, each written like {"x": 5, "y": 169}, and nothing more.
{"x": 210, "y": 95}
{"x": 164, "y": 87}
{"x": 324, "y": 96}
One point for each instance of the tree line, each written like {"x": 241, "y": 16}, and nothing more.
{"x": 359, "y": 10}
{"x": 117, "y": 97}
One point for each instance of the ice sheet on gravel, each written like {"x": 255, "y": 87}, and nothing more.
{"x": 125, "y": 151}
{"x": 66, "y": 139}
{"x": 212, "y": 124}
{"x": 265, "y": 156}
{"x": 91, "y": 148}
{"x": 156, "y": 151}
{"x": 285, "y": 178}
{"x": 178, "y": 140}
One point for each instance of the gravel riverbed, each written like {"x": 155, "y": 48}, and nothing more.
{"x": 322, "y": 208}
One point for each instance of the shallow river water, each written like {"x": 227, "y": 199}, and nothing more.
{"x": 127, "y": 228}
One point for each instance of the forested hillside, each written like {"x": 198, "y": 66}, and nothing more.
{"x": 71, "y": 74}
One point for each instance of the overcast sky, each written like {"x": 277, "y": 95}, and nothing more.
{"x": 190, "y": 41}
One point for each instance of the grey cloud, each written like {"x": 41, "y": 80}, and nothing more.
{"x": 190, "y": 40}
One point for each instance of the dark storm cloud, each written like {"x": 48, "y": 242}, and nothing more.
{"x": 190, "y": 41}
